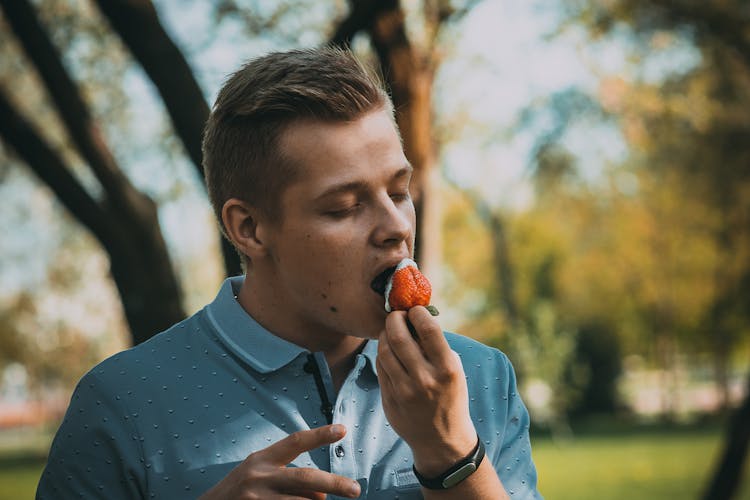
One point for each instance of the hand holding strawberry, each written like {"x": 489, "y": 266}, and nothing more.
{"x": 422, "y": 382}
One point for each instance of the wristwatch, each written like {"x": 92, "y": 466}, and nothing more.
{"x": 456, "y": 473}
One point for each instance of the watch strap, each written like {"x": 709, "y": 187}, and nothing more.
{"x": 457, "y": 472}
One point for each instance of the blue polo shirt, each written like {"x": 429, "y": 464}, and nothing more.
{"x": 171, "y": 417}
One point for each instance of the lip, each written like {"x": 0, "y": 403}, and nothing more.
{"x": 379, "y": 284}
{"x": 378, "y": 276}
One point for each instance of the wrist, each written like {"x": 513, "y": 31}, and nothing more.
{"x": 435, "y": 459}
{"x": 456, "y": 473}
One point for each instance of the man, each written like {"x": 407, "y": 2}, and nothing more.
{"x": 294, "y": 382}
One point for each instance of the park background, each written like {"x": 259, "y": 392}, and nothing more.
{"x": 582, "y": 179}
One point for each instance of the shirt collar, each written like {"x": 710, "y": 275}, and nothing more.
{"x": 370, "y": 352}
{"x": 250, "y": 341}
{"x": 244, "y": 336}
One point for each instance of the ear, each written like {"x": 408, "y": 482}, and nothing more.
{"x": 243, "y": 224}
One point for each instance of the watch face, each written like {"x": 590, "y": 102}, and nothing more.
{"x": 459, "y": 475}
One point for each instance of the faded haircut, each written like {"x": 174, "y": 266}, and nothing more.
{"x": 241, "y": 154}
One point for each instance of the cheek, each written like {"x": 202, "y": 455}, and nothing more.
{"x": 325, "y": 258}
{"x": 321, "y": 261}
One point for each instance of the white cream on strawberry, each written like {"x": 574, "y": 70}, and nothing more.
{"x": 389, "y": 284}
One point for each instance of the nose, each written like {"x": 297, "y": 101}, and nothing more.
{"x": 395, "y": 222}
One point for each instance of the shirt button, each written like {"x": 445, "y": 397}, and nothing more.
{"x": 339, "y": 451}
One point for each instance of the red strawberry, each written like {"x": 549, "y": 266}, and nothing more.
{"x": 407, "y": 287}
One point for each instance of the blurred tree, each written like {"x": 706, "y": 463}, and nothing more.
{"x": 137, "y": 23}
{"x": 515, "y": 306}
{"x": 57, "y": 349}
{"x": 124, "y": 220}
{"x": 595, "y": 370}
{"x": 524, "y": 254}
{"x": 12, "y": 349}
{"x": 695, "y": 129}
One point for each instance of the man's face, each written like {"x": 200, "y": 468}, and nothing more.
{"x": 347, "y": 217}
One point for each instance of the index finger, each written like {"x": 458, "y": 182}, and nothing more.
{"x": 284, "y": 451}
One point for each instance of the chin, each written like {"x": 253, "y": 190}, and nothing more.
{"x": 364, "y": 335}
{"x": 367, "y": 333}
{"x": 369, "y": 327}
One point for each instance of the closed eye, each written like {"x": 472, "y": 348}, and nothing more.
{"x": 397, "y": 197}
{"x": 340, "y": 213}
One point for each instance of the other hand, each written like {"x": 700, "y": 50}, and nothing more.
{"x": 264, "y": 474}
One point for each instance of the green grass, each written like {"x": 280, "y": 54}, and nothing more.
{"x": 643, "y": 464}
{"x": 19, "y": 474}
{"x": 23, "y": 453}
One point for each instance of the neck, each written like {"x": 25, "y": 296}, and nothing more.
{"x": 341, "y": 361}
{"x": 339, "y": 349}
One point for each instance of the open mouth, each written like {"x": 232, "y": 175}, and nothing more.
{"x": 381, "y": 280}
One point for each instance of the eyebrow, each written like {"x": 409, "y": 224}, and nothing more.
{"x": 348, "y": 187}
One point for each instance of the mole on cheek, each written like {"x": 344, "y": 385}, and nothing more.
{"x": 333, "y": 309}
{"x": 324, "y": 295}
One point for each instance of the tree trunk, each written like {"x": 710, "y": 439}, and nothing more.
{"x": 139, "y": 264}
{"x": 721, "y": 368}
{"x": 726, "y": 477}
{"x": 125, "y": 221}
{"x": 137, "y": 24}
{"x": 727, "y": 474}
{"x": 501, "y": 259}
{"x": 709, "y": 18}
{"x": 503, "y": 267}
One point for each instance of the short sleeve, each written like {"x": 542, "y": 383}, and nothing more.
{"x": 514, "y": 464}
{"x": 96, "y": 452}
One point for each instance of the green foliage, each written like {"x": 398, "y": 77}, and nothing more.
{"x": 56, "y": 335}
{"x": 542, "y": 351}
{"x": 656, "y": 252}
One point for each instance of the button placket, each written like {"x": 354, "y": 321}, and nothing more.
{"x": 343, "y": 458}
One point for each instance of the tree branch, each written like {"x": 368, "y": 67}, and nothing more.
{"x": 20, "y": 135}
{"x": 730, "y": 29}
{"x": 137, "y": 23}
{"x": 126, "y": 221}
{"x": 75, "y": 115}
{"x": 139, "y": 261}
{"x": 361, "y": 16}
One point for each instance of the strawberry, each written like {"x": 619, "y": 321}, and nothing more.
{"x": 408, "y": 287}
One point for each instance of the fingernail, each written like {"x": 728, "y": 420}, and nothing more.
{"x": 337, "y": 429}
{"x": 355, "y": 489}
